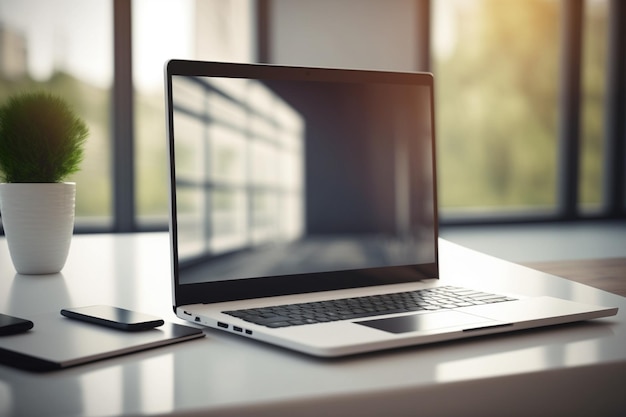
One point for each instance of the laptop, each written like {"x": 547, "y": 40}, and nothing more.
{"x": 303, "y": 212}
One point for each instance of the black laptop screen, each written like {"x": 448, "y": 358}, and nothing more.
{"x": 287, "y": 180}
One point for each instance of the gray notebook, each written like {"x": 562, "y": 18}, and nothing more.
{"x": 56, "y": 342}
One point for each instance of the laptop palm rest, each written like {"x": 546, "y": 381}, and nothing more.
{"x": 425, "y": 322}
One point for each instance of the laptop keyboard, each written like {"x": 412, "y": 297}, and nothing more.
{"x": 351, "y": 308}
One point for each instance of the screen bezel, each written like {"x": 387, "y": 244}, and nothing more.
{"x": 218, "y": 291}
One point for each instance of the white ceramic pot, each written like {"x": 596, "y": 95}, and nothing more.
{"x": 38, "y": 221}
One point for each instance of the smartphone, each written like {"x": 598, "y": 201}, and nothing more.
{"x": 13, "y": 325}
{"x": 115, "y": 317}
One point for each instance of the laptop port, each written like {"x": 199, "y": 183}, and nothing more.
{"x": 197, "y": 319}
{"x": 248, "y": 331}
{"x": 237, "y": 329}
{"x": 222, "y": 325}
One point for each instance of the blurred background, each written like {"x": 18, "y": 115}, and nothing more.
{"x": 528, "y": 125}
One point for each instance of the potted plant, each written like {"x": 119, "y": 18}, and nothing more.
{"x": 41, "y": 144}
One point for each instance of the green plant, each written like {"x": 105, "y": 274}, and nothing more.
{"x": 41, "y": 139}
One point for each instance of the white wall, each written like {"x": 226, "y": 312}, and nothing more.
{"x": 369, "y": 34}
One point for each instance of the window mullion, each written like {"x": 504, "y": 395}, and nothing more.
{"x": 123, "y": 118}
{"x": 615, "y": 146}
{"x": 423, "y": 33}
{"x": 569, "y": 106}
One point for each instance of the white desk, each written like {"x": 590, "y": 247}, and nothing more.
{"x": 568, "y": 370}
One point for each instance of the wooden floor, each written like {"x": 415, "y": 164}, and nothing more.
{"x": 606, "y": 274}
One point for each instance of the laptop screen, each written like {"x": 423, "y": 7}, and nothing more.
{"x": 287, "y": 180}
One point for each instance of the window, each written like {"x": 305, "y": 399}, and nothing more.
{"x": 164, "y": 30}
{"x": 524, "y": 90}
{"x": 496, "y": 66}
{"x": 65, "y": 47}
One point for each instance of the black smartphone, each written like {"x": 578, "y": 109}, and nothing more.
{"x": 114, "y": 317}
{"x": 13, "y": 325}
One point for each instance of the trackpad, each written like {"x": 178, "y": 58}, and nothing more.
{"x": 421, "y": 322}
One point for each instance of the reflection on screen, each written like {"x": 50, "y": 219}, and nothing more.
{"x": 291, "y": 177}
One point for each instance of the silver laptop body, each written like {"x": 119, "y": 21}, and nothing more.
{"x": 292, "y": 188}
